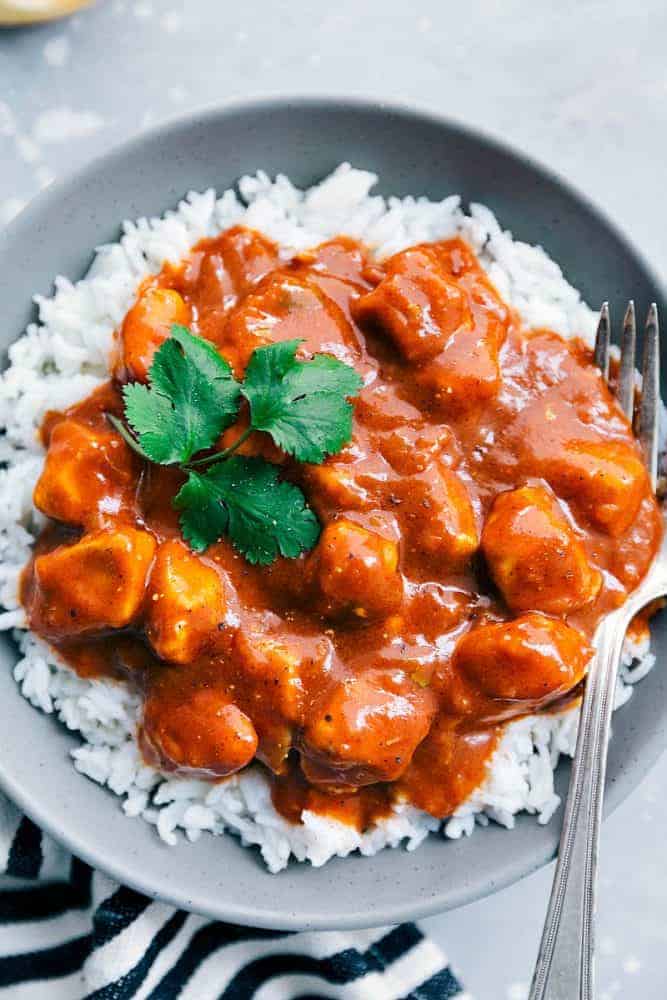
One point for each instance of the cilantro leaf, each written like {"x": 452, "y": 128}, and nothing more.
{"x": 152, "y": 418}
{"x": 302, "y": 404}
{"x": 244, "y": 499}
{"x": 192, "y": 396}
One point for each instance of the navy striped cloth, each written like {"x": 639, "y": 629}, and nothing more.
{"x": 68, "y": 932}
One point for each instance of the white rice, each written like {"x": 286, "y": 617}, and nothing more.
{"x": 63, "y": 357}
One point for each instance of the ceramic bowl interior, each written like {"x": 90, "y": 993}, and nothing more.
{"x": 413, "y": 154}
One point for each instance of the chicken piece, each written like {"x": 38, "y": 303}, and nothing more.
{"x": 605, "y": 480}
{"x": 411, "y": 449}
{"x": 456, "y": 257}
{"x": 282, "y": 307}
{"x": 416, "y": 304}
{"x": 534, "y": 556}
{"x": 560, "y": 436}
{"x": 439, "y": 515}
{"x": 467, "y": 372}
{"x": 185, "y": 604}
{"x": 94, "y": 584}
{"x": 532, "y": 658}
{"x": 356, "y": 570}
{"x": 248, "y": 256}
{"x": 448, "y": 766}
{"x": 459, "y": 260}
{"x": 87, "y": 474}
{"x": 342, "y": 257}
{"x": 334, "y": 486}
{"x": 351, "y": 480}
{"x": 436, "y": 609}
{"x": 380, "y": 407}
{"x": 146, "y": 326}
{"x": 270, "y": 669}
{"x": 202, "y": 733}
{"x": 270, "y": 676}
{"x": 367, "y": 729}
{"x": 220, "y": 271}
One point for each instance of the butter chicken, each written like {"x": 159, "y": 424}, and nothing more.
{"x": 489, "y": 508}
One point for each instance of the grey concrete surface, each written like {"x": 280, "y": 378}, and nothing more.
{"x": 580, "y": 85}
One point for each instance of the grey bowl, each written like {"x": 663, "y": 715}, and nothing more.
{"x": 414, "y": 154}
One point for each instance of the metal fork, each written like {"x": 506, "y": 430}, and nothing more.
{"x": 565, "y": 963}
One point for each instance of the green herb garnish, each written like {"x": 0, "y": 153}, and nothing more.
{"x": 192, "y": 396}
{"x": 301, "y": 404}
{"x": 244, "y": 499}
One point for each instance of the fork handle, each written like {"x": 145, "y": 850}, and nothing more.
{"x": 565, "y": 963}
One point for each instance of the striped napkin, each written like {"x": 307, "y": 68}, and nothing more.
{"x": 68, "y": 932}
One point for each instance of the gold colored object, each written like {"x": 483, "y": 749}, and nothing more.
{"x": 33, "y": 11}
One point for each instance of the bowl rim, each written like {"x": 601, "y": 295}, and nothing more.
{"x": 237, "y": 911}
{"x": 401, "y": 109}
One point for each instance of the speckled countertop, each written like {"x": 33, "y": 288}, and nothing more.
{"x": 580, "y": 85}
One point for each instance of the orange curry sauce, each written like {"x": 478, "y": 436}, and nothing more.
{"x": 491, "y": 506}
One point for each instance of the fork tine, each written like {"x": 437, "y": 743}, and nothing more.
{"x": 602, "y": 341}
{"x": 649, "y": 414}
{"x": 626, "y": 375}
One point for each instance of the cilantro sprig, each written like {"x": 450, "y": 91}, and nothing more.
{"x": 192, "y": 397}
{"x": 244, "y": 499}
{"x": 301, "y": 404}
